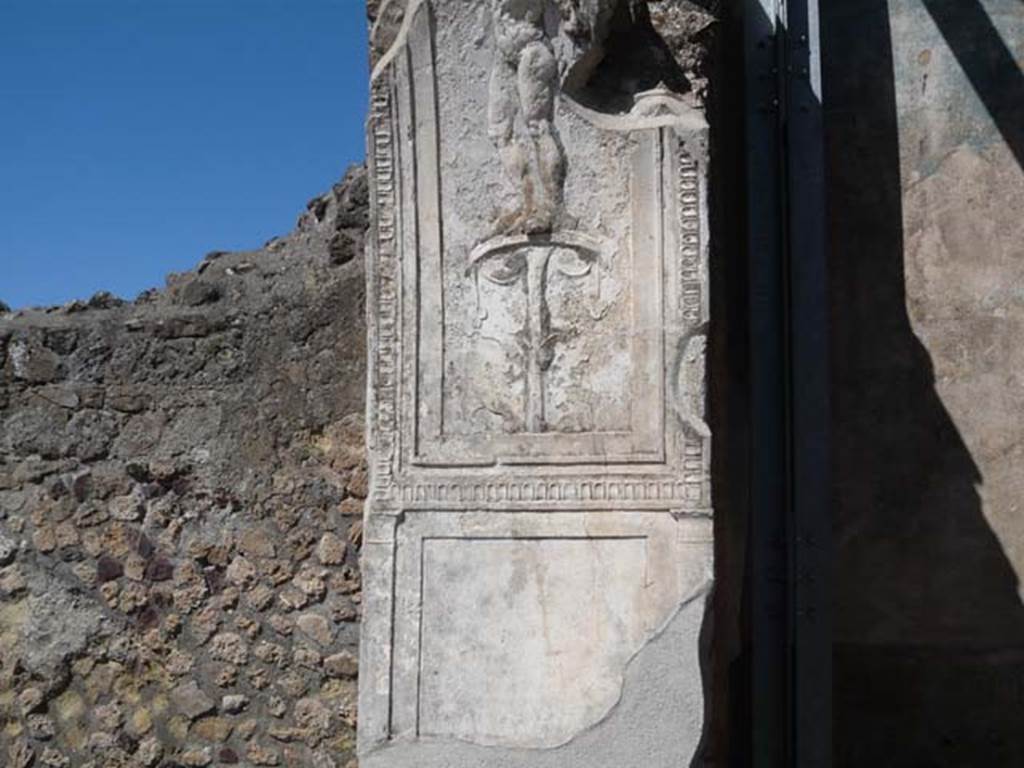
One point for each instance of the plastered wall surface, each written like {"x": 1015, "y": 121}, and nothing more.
{"x": 539, "y": 520}
{"x": 924, "y": 116}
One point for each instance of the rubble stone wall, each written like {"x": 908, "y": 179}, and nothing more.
{"x": 181, "y": 489}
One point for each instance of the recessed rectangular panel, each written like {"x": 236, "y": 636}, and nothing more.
{"x": 525, "y": 641}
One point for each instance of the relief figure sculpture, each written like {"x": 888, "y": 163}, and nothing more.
{"x": 523, "y": 88}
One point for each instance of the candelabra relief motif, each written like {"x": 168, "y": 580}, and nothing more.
{"x": 526, "y": 263}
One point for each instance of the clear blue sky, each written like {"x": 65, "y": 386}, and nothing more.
{"x": 137, "y": 135}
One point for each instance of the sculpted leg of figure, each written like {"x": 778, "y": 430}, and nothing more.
{"x": 538, "y": 81}
{"x": 502, "y": 110}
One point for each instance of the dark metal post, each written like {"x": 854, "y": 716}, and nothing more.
{"x": 810, "y": 513}
{"x": 769, "y": 599}
{"x": 790, "y": 518}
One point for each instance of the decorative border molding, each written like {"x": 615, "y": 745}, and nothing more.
{"x": 691, "y": 267}
{"x": 690, "y": 489}
{"x": 383, "y": 295}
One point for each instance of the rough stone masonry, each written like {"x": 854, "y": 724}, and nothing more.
{"x": 181, "y": 485}
{"x": 538, "y": 538}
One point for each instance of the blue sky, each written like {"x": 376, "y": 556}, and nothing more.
{"x": 137, "y": 135}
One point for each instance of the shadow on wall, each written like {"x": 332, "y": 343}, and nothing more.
{"x": 988, "y": 63}
{"x": 929, "y": 630}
